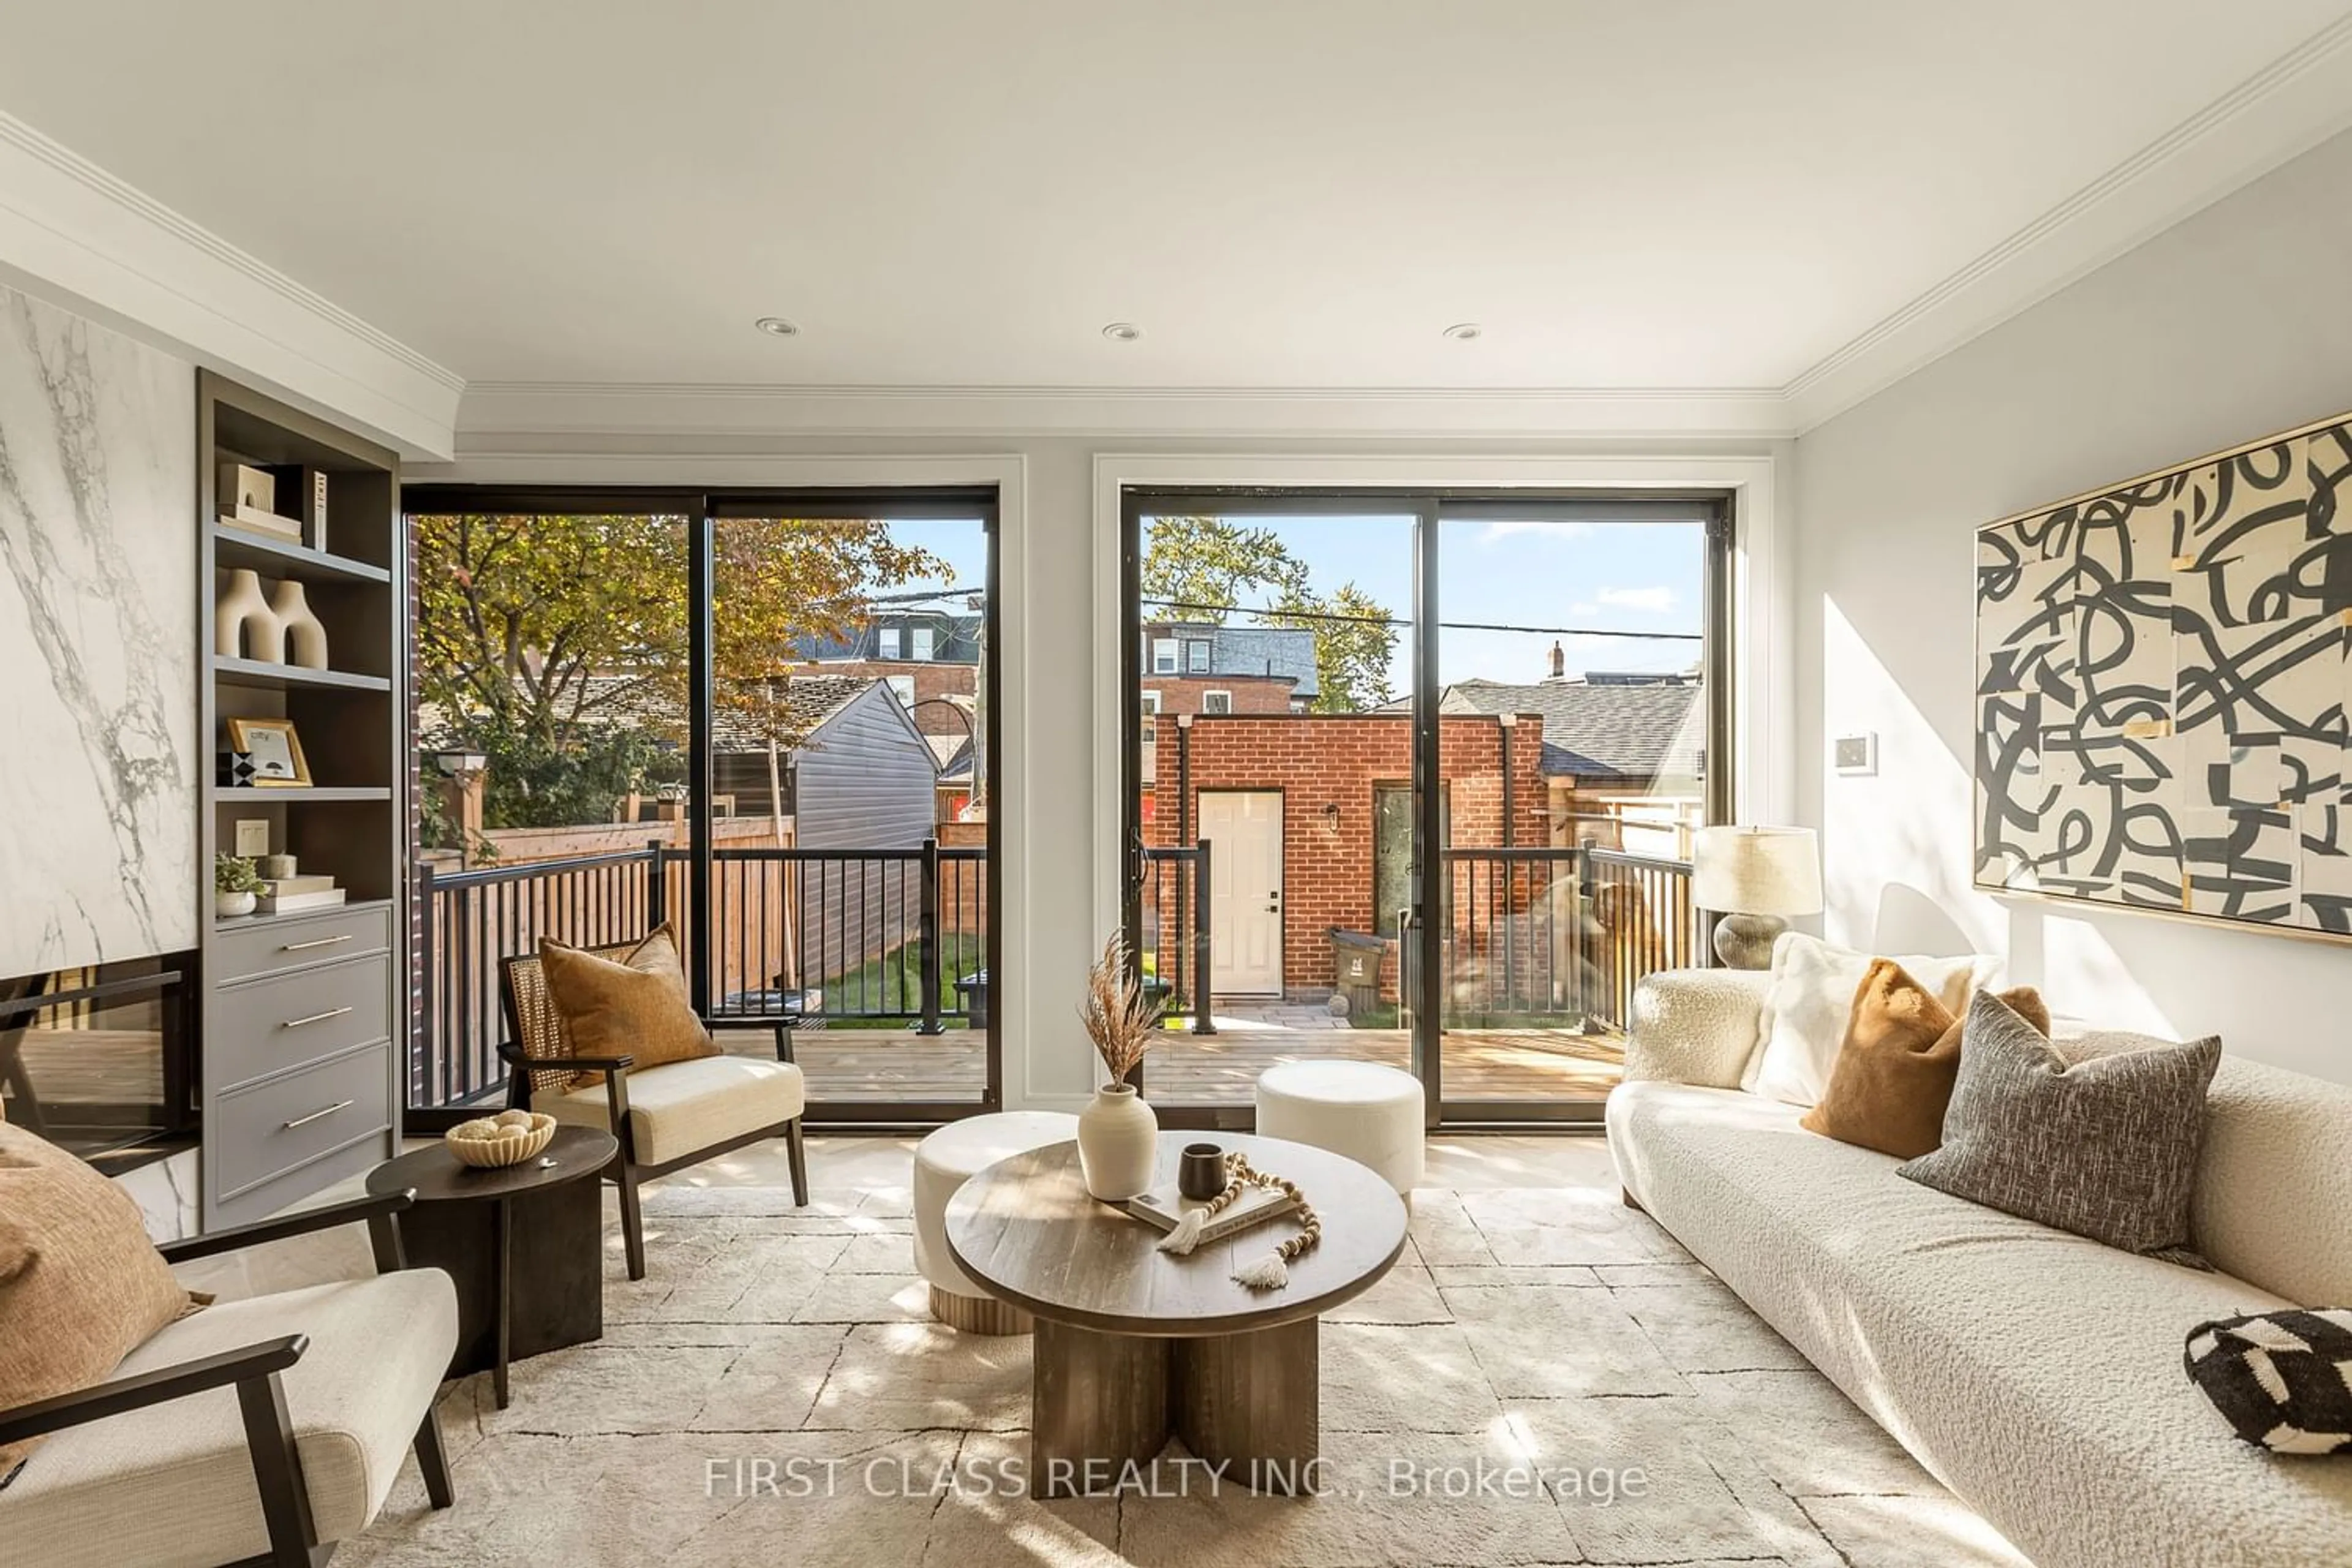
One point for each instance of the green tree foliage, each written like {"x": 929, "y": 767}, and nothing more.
{"x": 1201, "y": 568}
{"x": 519, "y": 616}
{"x": 1355, "y": 637}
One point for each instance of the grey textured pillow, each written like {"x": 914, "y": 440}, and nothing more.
{"x": 2100, "y": 1139}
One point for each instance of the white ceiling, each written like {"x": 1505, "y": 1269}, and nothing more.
{"x": 1291, "y": 194}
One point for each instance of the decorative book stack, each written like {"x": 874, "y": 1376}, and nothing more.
{"x": 284, "y": 895}
{"x": 1163, "y": 1207}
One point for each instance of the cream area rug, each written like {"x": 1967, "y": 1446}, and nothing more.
{"x": 1545, "y": 1378}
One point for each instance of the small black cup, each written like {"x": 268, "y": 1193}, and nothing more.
{"x": 1200, "y": 1173}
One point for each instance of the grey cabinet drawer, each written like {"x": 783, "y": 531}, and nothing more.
{"x": 266, "y": 946}
{"x": 279, "y": 1124}
{"x": 267, "y": 1025}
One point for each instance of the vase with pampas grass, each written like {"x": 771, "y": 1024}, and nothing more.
{"x": 1119, "y": 1136}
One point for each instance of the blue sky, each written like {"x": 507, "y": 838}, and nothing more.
{"x": 1636, "y": 577}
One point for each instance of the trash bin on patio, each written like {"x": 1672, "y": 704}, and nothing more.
{"x": 1356, "y": 964}
{"x": 973, "y": 989}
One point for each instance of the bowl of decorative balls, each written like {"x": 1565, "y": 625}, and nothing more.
{"x": 508, "y": 1138}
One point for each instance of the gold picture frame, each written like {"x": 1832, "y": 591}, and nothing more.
{"x": 276, "y": 750}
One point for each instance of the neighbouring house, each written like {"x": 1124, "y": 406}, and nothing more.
{"x": 931, "y": 658}
{"x": 1623, "y": 757}
{"x": 1309, "y": 823}
{"x": 1199, "y": 668}
{"x": 858, "y": 774}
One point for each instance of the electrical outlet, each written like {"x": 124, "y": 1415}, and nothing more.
{"x": 1854, "y": 753}
{"x": 252, "y": 836}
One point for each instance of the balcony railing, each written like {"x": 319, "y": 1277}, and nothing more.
{"x": 1549, "y": 937}
{"x": 812, "y": 937}
{"x": 1558, "y": 936}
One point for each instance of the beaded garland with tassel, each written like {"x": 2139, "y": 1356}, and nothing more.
{"x": 1271, "y": 1272}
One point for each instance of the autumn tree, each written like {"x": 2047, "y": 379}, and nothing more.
{"x": 1201, "y": 568}
{"x": 521, "y": 619}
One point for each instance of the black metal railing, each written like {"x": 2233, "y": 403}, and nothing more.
{"x": 473, "y": 919}
{"x": 814, "y": 937}
{"x": 1558, "y": 936}
{"x": 1535, "y": 938}
{"x": 1642, "y": 921}
{"x": 1516, "y": 932}
{"x": 1173, "y": 954}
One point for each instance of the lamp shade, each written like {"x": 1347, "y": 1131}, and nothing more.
{"x": 1757, "y": 871}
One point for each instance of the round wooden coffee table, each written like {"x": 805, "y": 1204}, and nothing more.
{"x": 1134, "y": 1344}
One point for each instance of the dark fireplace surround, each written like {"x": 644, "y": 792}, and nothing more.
{"x": 102, "y": 1061}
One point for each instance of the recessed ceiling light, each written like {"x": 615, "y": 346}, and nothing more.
{"x": 777, "y": 327}
{"x": 1122, "y": 331}
{"x": 1463, "y": 332}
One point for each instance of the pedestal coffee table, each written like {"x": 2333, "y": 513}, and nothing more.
{"x": 524, "y": 1246}
{"x": 1134, "y": 1344}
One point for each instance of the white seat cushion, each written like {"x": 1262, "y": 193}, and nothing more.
{"x": 172, "y": 1485}
{"x": 952, "y": 1156}
{"x": 1370, "y": 1113}
{"x": 2037, "y": 1374}
{"x": 682, "y": 1108}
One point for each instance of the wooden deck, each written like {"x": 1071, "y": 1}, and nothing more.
{"x": 1536, "y": 1065}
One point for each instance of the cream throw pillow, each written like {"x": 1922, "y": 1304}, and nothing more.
{"x": 1812, "y": 999}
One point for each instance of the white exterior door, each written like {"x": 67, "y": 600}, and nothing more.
{"x": 1243, "y": 830}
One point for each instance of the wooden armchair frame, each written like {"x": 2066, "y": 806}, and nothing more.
{"x": 530, "y": 1018}
{"x": 253, "y": 1370}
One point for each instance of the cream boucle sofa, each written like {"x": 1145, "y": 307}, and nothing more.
{"x": 2036, "y": 1373}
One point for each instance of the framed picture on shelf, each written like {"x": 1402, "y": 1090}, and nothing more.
{"x": 276, "y": 750}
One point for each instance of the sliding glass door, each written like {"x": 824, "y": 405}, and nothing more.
{"x": 766, "y": 719}
{"x": 1461, "y": 845}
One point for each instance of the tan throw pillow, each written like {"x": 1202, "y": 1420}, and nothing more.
{"x": 80, "y": 1285}
{"x": 1894, "y": 1075}
{"x": 636, "y": 1007}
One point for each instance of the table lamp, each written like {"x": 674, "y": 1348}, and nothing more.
{"x": 1755, "y": 877}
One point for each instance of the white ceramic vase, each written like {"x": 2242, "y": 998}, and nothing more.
{"x": 228, "y": 906}
{"x": 241, "y": 609}
{"x": 304, "y": 636}
{"x": 1118, "y": 1143}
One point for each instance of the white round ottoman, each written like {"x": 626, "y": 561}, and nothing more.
{"x": 944, "y": 1161}
{"x": 1370, "y": 1113}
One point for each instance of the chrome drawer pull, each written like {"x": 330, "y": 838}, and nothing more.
{"x": 314, "y": 1018}
{"x": 330, "y": 1110}
{"x": 321, "y": 942}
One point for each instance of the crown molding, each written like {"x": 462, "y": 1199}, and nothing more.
{"x": 496, "y": 413}
{"x": 72, "y": 232}
{"x": 2287, "y": 108}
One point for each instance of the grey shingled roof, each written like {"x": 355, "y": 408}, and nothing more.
{"x": 1282, "y": 652}
{"x": 1611, "y": 732}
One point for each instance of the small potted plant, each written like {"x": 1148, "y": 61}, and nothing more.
{"x": 235, "y": 883}
{"x": 1119, "y": 1136}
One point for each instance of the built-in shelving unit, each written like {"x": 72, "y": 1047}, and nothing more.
{"x": 287, "y": 677}
{"x": 304, "y": 1016}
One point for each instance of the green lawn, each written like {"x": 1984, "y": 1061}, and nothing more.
{"x": 893, "y": 982}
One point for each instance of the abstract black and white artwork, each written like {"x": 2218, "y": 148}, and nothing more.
{"x": 2163, "y": 674}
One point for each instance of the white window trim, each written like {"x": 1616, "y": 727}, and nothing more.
{"x": 1226, "y": 711}
{"x": 1166, "y": 649}
{"x": 1198, "y": 657}
{"x": 920, "y": 643}
{"x": 886, "y": 642}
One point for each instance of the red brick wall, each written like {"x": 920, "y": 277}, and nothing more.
{"x": 1338, "y": 759}
{"x": 1251, "y": 693}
